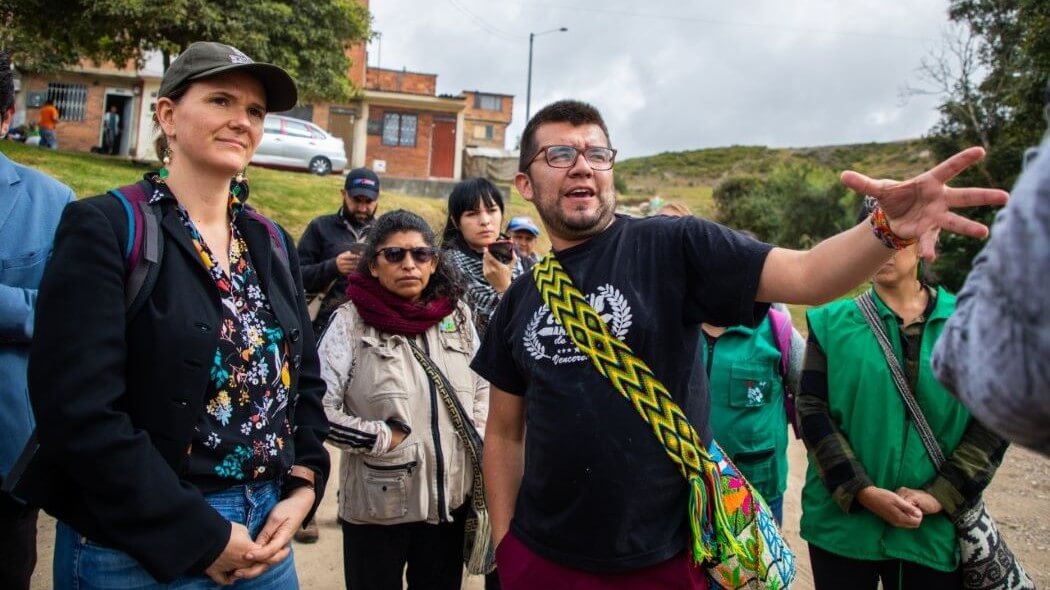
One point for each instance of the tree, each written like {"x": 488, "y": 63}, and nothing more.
{"x": 796, "y": 206}
{"x": 309, "y": 39}
{"x": 994, "y": 98}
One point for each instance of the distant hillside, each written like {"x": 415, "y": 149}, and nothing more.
{"x": 690, "y": 176}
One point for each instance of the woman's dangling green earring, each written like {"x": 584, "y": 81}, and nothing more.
{"x": 166, "y": 160}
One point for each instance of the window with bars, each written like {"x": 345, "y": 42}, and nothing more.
{"x": 399, "y": 129}
{"x": 70, "y": 100}
{"x": 488, "y": 102}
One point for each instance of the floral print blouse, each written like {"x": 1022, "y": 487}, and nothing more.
{"x": 243, "y": 432}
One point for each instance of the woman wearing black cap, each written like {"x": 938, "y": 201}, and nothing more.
{"x": 180, "y": 437}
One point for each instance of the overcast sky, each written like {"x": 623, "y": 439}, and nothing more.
{"x": 672, "y": 76}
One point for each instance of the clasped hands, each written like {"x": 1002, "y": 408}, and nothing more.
{"x": 245, "y": 558}
{"x": 903, "y": 508}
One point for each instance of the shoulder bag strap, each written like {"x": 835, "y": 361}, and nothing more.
{"x": 464, "y": 427}
{"x": 635, "y": 381}
{"x": 871, "y": 314}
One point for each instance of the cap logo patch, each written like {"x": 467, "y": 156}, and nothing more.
{"x": 238, "y": 57}
{"x": 364, "y": 181}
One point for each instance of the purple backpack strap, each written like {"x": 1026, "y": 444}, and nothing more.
{"x": 782, "y": 328}
{"x": 276, "y": 235}
{"x": 142, "y": 250}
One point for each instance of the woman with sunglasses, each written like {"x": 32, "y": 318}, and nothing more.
{"x": 180, "y": 442}
{"x": 405, "y": 473}
{"x": 475, "y": 217}
{"x": 874, "y": 505}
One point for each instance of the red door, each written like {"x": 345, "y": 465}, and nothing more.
{"x": 443, "y": 148}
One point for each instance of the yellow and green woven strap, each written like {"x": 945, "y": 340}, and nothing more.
{"x": 633, "y": 378}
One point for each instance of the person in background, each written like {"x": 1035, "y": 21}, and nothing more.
{"x": 523, "y": 231}
{"x": 48, "y": 122}
{"x": 331, "y": 246}
{"x": 748, "y": 384}
{"x": 31, "y": 204}
{"x": 475, "y": 216}
{"x": 995, "y": 349}
{"x": 405, "y": 474}
{"x": 874, "y": 506}
{"x": 181, "y": 444}
{"x": 111, "y": 132}
{"x": 675, "y": 209}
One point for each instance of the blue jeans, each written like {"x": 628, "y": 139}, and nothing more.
{"x": 776, "y": 506}
{"x": 48, "y": 139}
{"x": 83, "y": 565}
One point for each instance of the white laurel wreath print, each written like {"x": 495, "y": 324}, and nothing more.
{"x": 533, "y": 345}
{"x": 619, "y": 320}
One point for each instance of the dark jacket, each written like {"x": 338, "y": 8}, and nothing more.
{"x": 325, "y": 238}
{"x": 117, "y": 401}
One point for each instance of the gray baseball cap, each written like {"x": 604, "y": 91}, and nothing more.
{"x": 206, "y": 58}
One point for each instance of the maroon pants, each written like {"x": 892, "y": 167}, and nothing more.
{"x": 521, "y": 569}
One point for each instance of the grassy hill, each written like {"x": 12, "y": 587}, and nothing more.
{"x": 691, "y": 175}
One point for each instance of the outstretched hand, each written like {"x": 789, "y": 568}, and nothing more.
{"x": 921, "y": 207}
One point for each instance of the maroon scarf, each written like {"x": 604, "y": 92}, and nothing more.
{"x": 386, "y": 311}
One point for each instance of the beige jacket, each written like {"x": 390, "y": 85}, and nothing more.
{"x": 373, "y": 378}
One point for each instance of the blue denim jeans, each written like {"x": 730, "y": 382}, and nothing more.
{"x": 83, "y": 565}
{"x": 776, "y": 506}
{"x": 48, "y": 139}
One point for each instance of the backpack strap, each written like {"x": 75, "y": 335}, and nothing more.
{"x": 782, "y": 328}
{"x": 143, "y": 248}
{"x": 280, "y": 244}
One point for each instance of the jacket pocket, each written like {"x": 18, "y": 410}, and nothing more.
{"x": 389, "y": 488}
{"x": 25, "y": 269}
{"x": 382, "y": 366}
{"x": 760, "y": 469}
{"x": 750, "y": 385}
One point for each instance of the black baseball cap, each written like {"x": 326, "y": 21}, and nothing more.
{"x": 362, "y": 182}
{"x": 206, "y": 58}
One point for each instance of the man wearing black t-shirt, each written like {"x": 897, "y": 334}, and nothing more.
{"x": 590, "y": 498}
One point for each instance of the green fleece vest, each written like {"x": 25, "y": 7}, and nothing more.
{"x": 747, "y": 404}
{"x": 866, "y": 406}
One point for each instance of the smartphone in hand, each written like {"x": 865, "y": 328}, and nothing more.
{"x": 358, "y": 248}
{"x": 502, "y": 250}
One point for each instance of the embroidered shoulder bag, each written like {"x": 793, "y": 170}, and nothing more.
{"x": 987, "y": 563}
{"x": 734, "y": 535}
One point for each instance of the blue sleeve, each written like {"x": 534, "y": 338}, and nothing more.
{"x": 994, "y": 349}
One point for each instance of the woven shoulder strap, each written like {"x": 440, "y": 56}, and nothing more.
{"x": 480, "y": 555}
{"x": 635, "y": 381}
{"x": 871, "y": 314}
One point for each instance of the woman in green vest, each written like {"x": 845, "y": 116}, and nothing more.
{"x": 874, "y": 506}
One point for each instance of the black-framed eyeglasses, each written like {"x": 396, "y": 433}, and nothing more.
{"x": 395, "y": 254}
{"x": 565, "y": 156}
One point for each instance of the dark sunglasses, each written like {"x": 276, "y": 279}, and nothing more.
{"x": 395, "y": 254}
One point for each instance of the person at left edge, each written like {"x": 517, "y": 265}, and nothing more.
{"x": 183, "y": 443}
{"x": 30, "y": 206}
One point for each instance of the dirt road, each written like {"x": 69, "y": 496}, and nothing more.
{"x": 1019, "y": 499}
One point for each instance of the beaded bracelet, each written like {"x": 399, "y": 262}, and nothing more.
{"x": 880, "y": 226}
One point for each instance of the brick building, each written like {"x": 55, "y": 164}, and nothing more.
{"x": 486, "y": 119}
{"x": 396, "y": 123}
{"x": 84, "y": 93}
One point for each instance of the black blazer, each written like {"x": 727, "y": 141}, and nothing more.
{"x": 116, "y": 401}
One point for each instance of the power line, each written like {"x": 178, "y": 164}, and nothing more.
{"x": 709, "y": 21}
{"x": 495, "y": 32}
